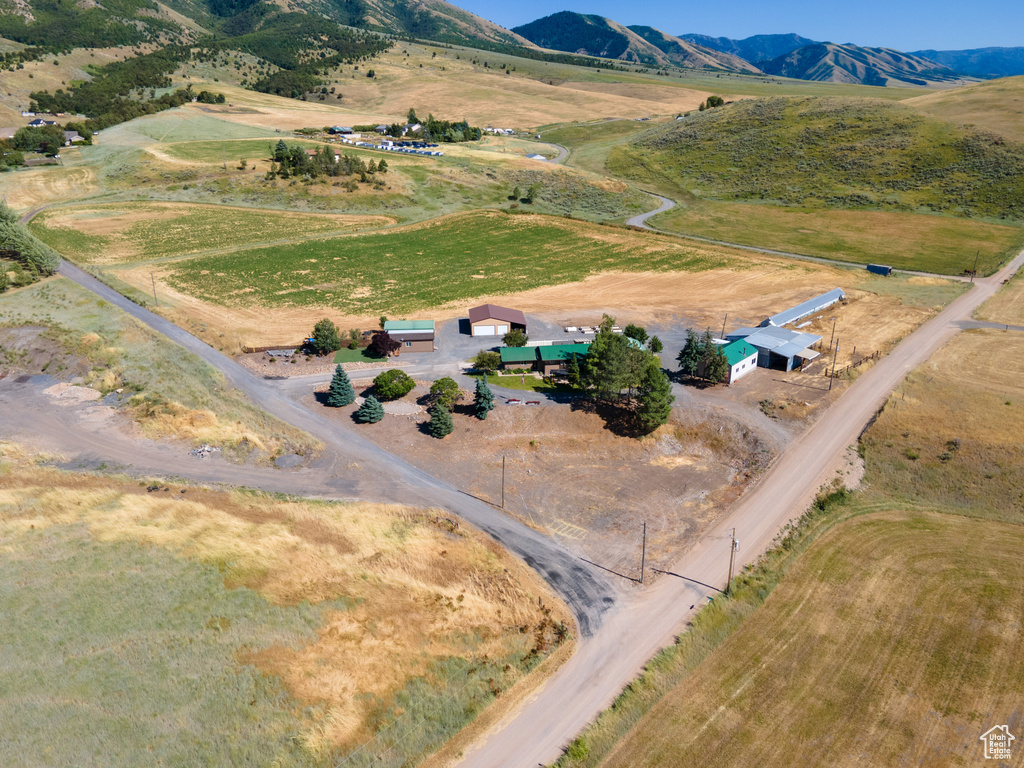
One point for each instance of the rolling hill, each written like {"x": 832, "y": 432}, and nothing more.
{"x": 980, "y": 62}
{"x": 853, "y": 64}
{"x": 752, "y": 49}
{"x": 598, "y": 36}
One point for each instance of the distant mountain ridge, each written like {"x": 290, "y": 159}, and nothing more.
{"x": 755, "y": 48}
{"x": 598, "y": 36}
{"x": 830, "y": 62}
{"x": 980, "y": 62}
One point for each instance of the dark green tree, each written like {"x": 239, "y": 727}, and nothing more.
{"x": 636, "y": 332}
{"x": 326, "y": 338}
{"x": 370, "y": 412}
{"x": 515, "y": 194}
{"x": 573, "y": 371}
{"x": 716, "y": 364}
{"x": 440, "y": 423}
{"x": 654, "y": 398}
{"x": 515, "y": 338}
{"x": 483, "y": 399}
{"x": 445, "y": 392}
{"x": 392, "y": 384}
{"x": 690, "y": 355}
{"x": 382, "y": 166}
{"x": 340, "y": 392}
{"x": 606, "y": 363}
{"x": 411, "y": 118}
{"x": 654, "y": 345}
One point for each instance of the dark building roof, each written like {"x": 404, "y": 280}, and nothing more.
{"x": 491, "y": 311}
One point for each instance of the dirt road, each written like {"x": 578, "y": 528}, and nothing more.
{"x": 589, "y": 681}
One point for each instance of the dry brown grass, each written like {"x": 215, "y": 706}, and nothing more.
{"x": 1007, "y": 306}
{"x": 416, "y": 591}
{"x": 996, "y": 105}
{"x": 860, "y": 656}
{"x": 34, "y": 187}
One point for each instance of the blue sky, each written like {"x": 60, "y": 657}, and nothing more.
{"x": 907, "y": 25}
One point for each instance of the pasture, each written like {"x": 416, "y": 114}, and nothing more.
{"x": 109, "y": 233}
{"x": 859, "y": 656}
{"x": 252, "y": 630}
{"x": 1007, "y": 306}
{"x": 903, "y": 240}
{"x": 995, "y": 105}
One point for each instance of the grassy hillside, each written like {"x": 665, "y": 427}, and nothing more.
{"x": 850, "y": 631}
{"x": 994, "y": 106}
{"x": 834, "y": 153}
{"x": 189, "y": 627}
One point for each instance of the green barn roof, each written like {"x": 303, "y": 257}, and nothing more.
{"x": 556, "y": 352}
{"x": 737, "y": 351}
{"x": 518, "y": 354}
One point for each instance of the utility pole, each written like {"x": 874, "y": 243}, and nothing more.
{"x": 975, "y": 270}
{"x": 503, "y": 481}
{"x": 734, "y": 545}
{"x": 643, "y": 554}
{"x": 723, "y": 324}
{"x": 833, "y": 378}
{"x": 155, "y": 299}
{"x": 833, "y": 333}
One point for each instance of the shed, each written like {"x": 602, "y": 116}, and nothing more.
{"x": 492, "y": 320}
{"x": 778, "y": 348}
{"x": 806, "y": 308}
{"x": 413, "y": 335}
{"x": 742, "y": 357}
{"x": 535, "y": 156}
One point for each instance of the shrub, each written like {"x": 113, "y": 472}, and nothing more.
{"x": 393, "y": 384}
{"x": 515, "y": 338}
{"x": 445, "y": 392}
{"x": 487, "y": 361}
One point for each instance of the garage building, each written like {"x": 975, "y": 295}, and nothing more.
{"x": 413, "y": 335}
{"x": 492, "y": 320}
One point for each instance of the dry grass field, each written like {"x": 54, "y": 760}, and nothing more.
{"x": 995, "y": 105}
{"x": 371, "y": 619}
{"x": 1007, "y": 306}
{"x": 950, "y": 436}
{"x": 860, "y": 656}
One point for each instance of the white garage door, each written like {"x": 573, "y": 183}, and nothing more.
{"x": 502, "y": 330}
{"x": 483, "y": 330}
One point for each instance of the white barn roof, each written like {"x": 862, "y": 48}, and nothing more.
{"x": 806, "y": 308}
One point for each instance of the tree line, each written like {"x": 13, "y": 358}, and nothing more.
{"x": 34, "y": 259}
{"x": 295, "y": 160}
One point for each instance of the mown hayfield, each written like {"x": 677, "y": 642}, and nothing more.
{"x": 894, "y": 639}
{"x": 950, "y": 437}
{"x": 904, "y": 240}
{"x": 196, "y": 627}
{"x": 430, "y": 265}
{"x": 1007, "y": 306}
{"x": 111, "y": 233}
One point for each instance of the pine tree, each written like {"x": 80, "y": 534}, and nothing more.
{"x": 690, "y": 355}
{"x": 654, "y": 398}
{"x": 441, "y": 423}
{"x": 340, "y": 392}
{"x": 716, "y": 364}
{"x": 483, "y": 401}
{"x": 370, "y": 412}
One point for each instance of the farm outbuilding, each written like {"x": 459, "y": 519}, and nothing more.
{"x": 492, "y": 320}
{"x": 778, "y": 348}
{"x": 805, "y": 309}
{"x": 413, "y": 335}
{"x": 742, "y": 358}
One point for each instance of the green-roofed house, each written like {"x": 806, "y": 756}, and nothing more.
{"x": 554, "y": 357}
{"x": 518, "y": 357}
{"x": 413, "y": 335}
{"x": 742, "y": 359}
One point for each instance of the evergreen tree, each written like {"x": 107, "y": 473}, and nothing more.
{"x": 340, "y": 392}
{"x": 690, "y": 355}
{"x": 441, "y": 423}
{"x": 370, "y": 412}
{"x": 573, "y": 372}
{"x": 606, "y": 367}
{"x": 654, "y": 345}
{"x": 483, "y": 400}
{"x": 654, "y": 398}
{"x": 716, "y": 364}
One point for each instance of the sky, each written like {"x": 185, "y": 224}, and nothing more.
{"x": 906, "y": 25}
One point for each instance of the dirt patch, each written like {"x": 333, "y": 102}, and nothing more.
{"x": 567, "y": 474}
{"x": 33, "y": 350}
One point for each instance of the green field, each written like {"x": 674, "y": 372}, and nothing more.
{"x": 834, "y": 153}
{"x": 431, "y": 265}
{"x": 121, "y": 654}
{"x": 903, "y": 240}
{"x": 127, "y": 232}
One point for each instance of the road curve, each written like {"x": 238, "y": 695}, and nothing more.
{"x": 383, "y": 476}
{"x": 641, "y": 220}
{"x": 602, "y": 666}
